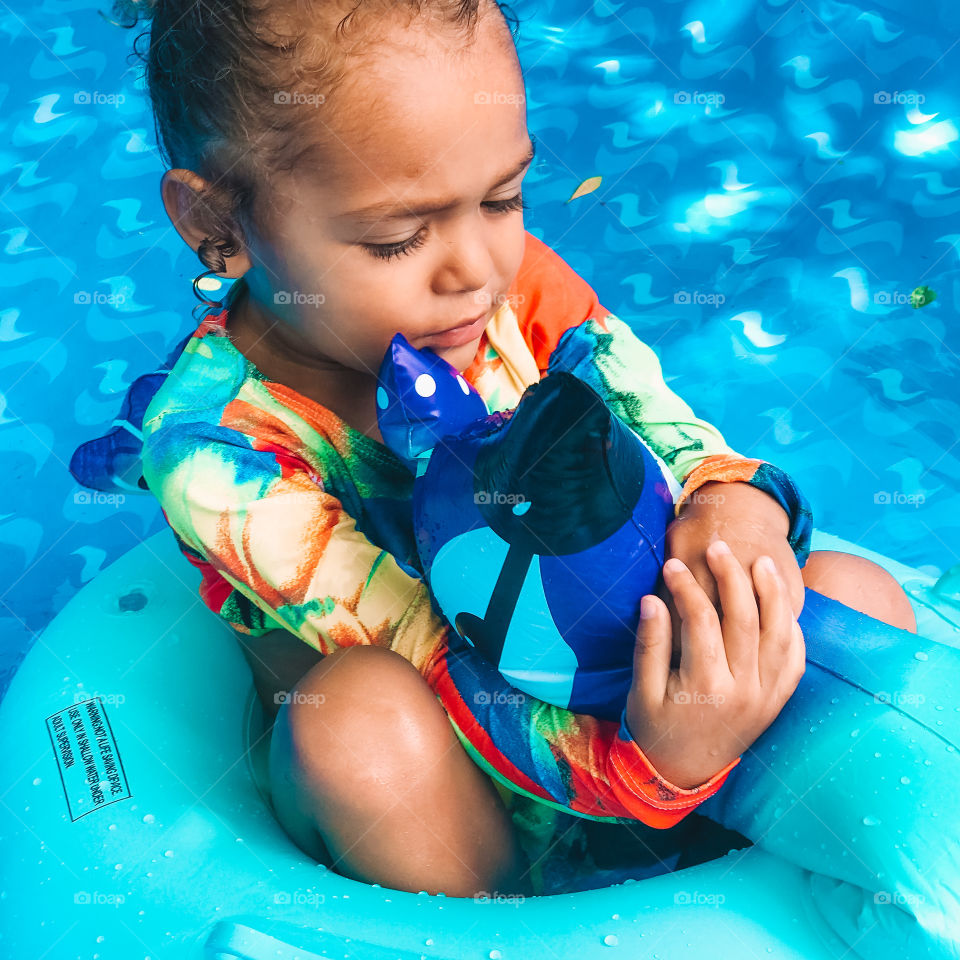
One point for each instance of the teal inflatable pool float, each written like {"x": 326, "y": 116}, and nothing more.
{"x": 139, "y": 826}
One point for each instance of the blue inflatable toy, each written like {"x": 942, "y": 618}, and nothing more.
{"x": 527, "y": 518}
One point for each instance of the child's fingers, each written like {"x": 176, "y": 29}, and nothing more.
{"x": 741, "y": 619}
{"x": 651, "y": 653}
{"x": 701, "y": 643}
{"x": 776, "y": 621}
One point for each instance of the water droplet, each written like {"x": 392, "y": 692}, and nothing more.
{"x": 428, "y": 942}
{"x": 615, "y": 916}
{"x": 920, "y": 655}
{"x": 878, "y": 755}
{"x": 869, "y": 821}
{"x": 611, "y": 940}
{"x": 494, "y": 955}
{"x": 37, "y": 781}
{"x": 101, "y": 938}
{"x": 904, "y": 780}
{"x": 168, "y": 853}
{"x": 835, "y": 700}
{"x": 112, "y": 826}
{"x": 855, "y": 732}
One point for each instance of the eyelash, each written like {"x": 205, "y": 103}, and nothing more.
{"x": 386, "y": 251}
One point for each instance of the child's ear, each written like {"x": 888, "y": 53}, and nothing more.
{"x": 182, "y": 192}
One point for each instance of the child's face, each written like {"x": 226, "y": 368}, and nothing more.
{"x": 421, "y": 120}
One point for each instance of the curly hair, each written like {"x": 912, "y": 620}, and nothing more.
{"x": 216, "y": 72}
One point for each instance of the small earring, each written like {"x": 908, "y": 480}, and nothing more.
{"x": 199, "y": 295}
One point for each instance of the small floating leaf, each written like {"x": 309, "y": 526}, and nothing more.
{"x": 921, "y": 297}
{"x": 588, "y": 186}
{"x": 105, "y": 17}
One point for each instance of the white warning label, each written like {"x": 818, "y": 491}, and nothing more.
{"x": 87, "y": 757}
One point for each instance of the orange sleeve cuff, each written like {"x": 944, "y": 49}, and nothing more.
{"x": 721, "y": 466}
{"x": 764, "y": 476}
{"x": 651, "y": 798}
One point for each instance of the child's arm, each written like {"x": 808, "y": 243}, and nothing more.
{"x": 295, "y": 559}
{"x": 565, "y": 327}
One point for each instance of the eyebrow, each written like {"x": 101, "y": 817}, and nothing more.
{"x": 392, "y": 210}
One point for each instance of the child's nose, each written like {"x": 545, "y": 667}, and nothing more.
{"x": 468, "y": 265}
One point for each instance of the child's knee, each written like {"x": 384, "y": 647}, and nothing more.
{"x": 861, "y": 584}
{"x": 355, "y": 726}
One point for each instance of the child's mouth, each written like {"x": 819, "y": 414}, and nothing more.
{"x": 459, "y": 335}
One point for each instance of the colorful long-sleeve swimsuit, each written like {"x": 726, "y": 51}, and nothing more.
{"x": 297, "y": 520}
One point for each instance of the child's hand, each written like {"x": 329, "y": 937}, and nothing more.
{"x": 733, "y": 678}
{"x": 752, "y": 524}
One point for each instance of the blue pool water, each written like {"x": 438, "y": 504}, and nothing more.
{"x": 777, "y": 177}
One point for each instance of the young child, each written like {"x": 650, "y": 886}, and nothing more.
{"x": 359, "y": 168}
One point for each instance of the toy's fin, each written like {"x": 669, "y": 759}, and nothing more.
{"x": 421, "y": 399}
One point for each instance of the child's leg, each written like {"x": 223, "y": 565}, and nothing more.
{"x": 368, "y": 776}
{"x": 860, "y": 584}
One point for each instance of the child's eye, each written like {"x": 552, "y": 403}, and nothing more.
{"x": 386, "y": 251}
{"x": 508, "y": 205}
